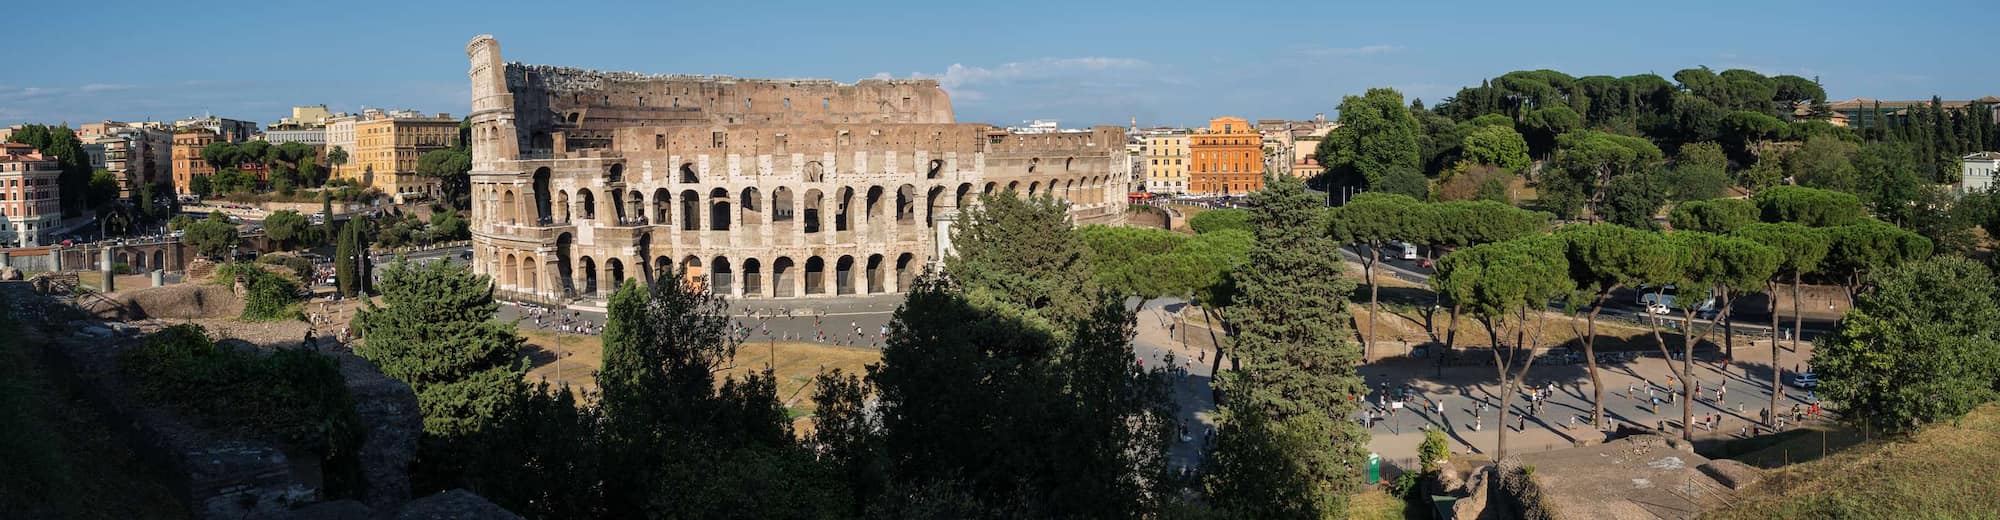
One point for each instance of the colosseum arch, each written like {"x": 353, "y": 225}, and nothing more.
{"x": 753, "y": 277}
{"x": 586, "y": 270}
{"x": 690, "y": 211}
{"x": 1014, "y": 187}
{"x": 687, "y": 173}
{"x": 541, "y": 186}
{"x": 1034, "y": 188}
{"x": 663, "y": 206}
{"x": 530, "y": 275}
{"x": 635, "y": 206}
{"x": 937, "y": 167}
{"x": 663, "y": 266}
{"x": 615, "y": 270}
{"x": 874, "y": 274}
{"x": 693, "y": 273}
{"x": 906, "y": 274}
{"x": 781, "y": 205}
{"x": 783, "y": 274}
{"x": 562, "y": 207}
{"x": 810, "y": 210}
{"x": 509, "y": 270}
{"x": 586, "y": 202}
{"x": 718, "y": 209}
{"x": 616, "y": 175}
{"x": 507, "y": 210}
{"x": 843, "y": 275}
{"x": 721, "y": 277}
{"x": 815, "y": 276}
{"x": 751, "y": 207}
{"x": 906, "y": 204}
{"x": 989, "y": 189}
{"x": 873, "y": 209}
{"x": 931, "y": 205}
{"x": 617, "y": 205}
{"x": 841, "y": 215}
{"x": 964, "y": 196}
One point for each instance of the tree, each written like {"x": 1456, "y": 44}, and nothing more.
{"x": 1015, "y": 343}
{"x": 1287, "y": 447}
{"x": 1376, "y": 135}
{"x": 286, "y": 227}
{"x": 1545, "y": 125}
{"x": 1497, "y": 145}
{"x": 1808, "y": 207}
{"x": 452, "y": 170}
{"x": 1823, "y": 162}
{"x": 336, "y": 157}
{"x": 1886, "y": 178}
{"x": 1632, "y": 200}
{"x": 1750, "y": 129}
{"x": 1219, "y": 219}
{"x": 1923, "y": 347}
{"x": 1370, "y": 222}
{"x": 1475, "y": 182}
{"x": 200, "y": 186}
{"x": 448, "y": 225}
{"x": 1709, "y": 264}
{"x": 1713, "y": 216}
{"x": 1803, "y": 250}
{"x": 350, "y": 260}
{"x": 1584, "y": 164}
{"x": 1685, "y": 183}
{"x": 1867, "y": 246}
{"x": 1508, "y": 284}
{"x": 1704, "y": 155}
{"x": 1604, "y": 258}
{"x": 212, "y": 236}
{"x": 1466, "y": 224}
{"x": 103, "y": 189}
{"x": 1402, "y": 181}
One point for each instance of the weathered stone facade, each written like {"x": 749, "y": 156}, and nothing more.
{"x": 765, "y": 188}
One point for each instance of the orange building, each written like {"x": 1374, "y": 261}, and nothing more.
{"x": 1228, "y": 158}
{"x": 188, "y": 163}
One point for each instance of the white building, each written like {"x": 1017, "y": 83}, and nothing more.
{"x": 1978, "y": 170}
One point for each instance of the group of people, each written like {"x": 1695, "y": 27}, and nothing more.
{"x": 561, "y": 320}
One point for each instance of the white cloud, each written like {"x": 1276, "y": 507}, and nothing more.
{"x": 960, "y": 79}
{"x": 1365, "y": 50}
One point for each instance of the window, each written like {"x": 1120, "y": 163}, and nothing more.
{"x": 716, "y": 138}
{"x": 659, "y": 141}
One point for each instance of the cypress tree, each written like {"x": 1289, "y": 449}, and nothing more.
{"x": 344, "y": 261}
{"x": 1288, "y": 447}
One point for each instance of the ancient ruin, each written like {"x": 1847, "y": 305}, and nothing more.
{"x": 758, "y": 188}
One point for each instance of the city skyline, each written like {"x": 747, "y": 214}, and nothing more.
{"x": 1162, "y": 63}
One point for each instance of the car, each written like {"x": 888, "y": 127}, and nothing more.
{"x": 1807, "y": 380}
{"x": 1409, "y": 250}
{"x": 1657, "y": 308}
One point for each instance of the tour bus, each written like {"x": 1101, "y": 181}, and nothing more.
{"x": 1409, "y": 250}
{"x": 1661, "y": 300}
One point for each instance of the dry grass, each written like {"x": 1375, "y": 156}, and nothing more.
{"x": 1376, "y": 504}
{"x": 1943, "y": 471}
{"x": 795, "y": 365}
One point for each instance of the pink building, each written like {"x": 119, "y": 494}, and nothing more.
{"x": 29, "y": 202}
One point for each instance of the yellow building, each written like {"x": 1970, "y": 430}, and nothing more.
{"x": 1227, "y": 158}
{"x": 1166, "y": 162}
{"x": 386, "y": 150}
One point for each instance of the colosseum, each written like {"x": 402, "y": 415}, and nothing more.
{"x": 757, "y": 188}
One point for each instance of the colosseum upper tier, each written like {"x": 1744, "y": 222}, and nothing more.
{"x": 758, "y": 188}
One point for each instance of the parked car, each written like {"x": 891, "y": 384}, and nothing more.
{"x": 1807, "y": 380}
{"x": 1657, "y": 308}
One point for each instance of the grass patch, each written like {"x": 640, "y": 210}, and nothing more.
{"x": 1942, "y": 471}
{"x": 1376, "y": 504}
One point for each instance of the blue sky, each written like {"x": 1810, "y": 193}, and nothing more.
{"x": 1082, "y": 62}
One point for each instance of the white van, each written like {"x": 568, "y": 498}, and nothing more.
{"x": 1409, "y": 250}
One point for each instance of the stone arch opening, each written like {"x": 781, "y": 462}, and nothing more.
{"x": 873, "y": 208}
{"x": 635, "y": 207}
{"x": 159, "y": 259}
{"x": 1034, "y": 188}
{"x": 814, "y": 172}
{"x": 753, "y": 277}
{"x": 843, "y": 275}
{"x": 720, "y": 277}
{"x": 509, "y": 270}
{"x": 1032, "y": 163}
{"x": 783, "y": 272}
{"x": 507, "y": 210}
{"x": 931, "y": 205}
{"x": 562, "y": 207}
{"x": 541, "y": 185}
{"x": 663, "y": 206}
{"x": 718, "y": 209}
{"x": 690, "y": 211}
{"x": 815, "y": 276}
{"x": 989, "y": 189}
{"x": 616, "y": 270}
{"x": 781, "y": 205}
{"x": 587, "y": 203}
{"x": 905, "y": 271}
{"x": 810, "y": 210}
{"x": 874, "y": 274}
{"x": 840, "y": 214}
{"x": 687, "y": 173}
{"x": 586, "y": 270}
{"x": 616, "y": 175}
{"x": 530, "y": 275}
{"x": 565, "y": 276}
{"x": 964, "y": 196}
{"x": 906, "y": 204}
{"x": 1014, "y": 187}
{"x": 693, "y": 274}
{"x": 751, "y": 207}
{"x": 937, "y": 168}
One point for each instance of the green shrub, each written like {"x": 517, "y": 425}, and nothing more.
{"x": 295, "y": 396}
{"x": 302, "y": 268}
{"x": 1433, "y": 450}
{"x": 271, "y": 296}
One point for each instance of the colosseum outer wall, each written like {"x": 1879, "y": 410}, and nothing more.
{"x": 852, "y": 192}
